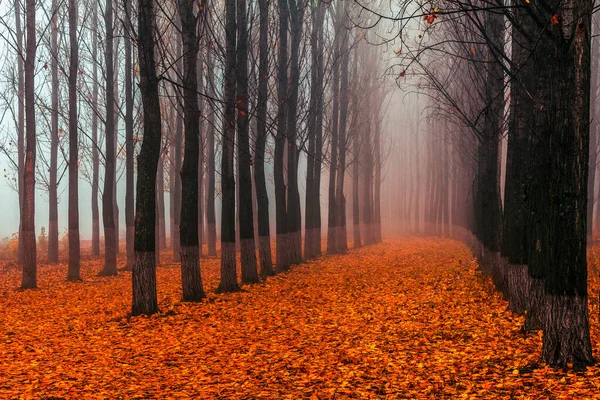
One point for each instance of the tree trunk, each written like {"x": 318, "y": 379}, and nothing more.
{"x": 562, "y": 105}
{"x": 108, "y": 217}
{"x": 129, "y": 144}
{"x": 246, "y": 218}
{"x": 262, "y": 203}
{"x": 228, "y": 263}
{"x": 294, "y": 218}
{"x": 514, "y": 247}
{"x": 281, "y": 240}
{"x": 144, "y": 267}
{"x": 190, "y": 254}
{"x": 53, "y": 189}
{"x": 20, "y": 128}
{"x": 95, "y": 158}
{"x": 74, "y": 245}
{"x": 29, "y": 279}
{"x": 211, "y": 219}
{"x": 176, "y": 195}
{"x": 332, "y": 223}
{"x": 342, "y": 243}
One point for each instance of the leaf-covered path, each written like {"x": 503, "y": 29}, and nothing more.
{"x": 409, "y": 318}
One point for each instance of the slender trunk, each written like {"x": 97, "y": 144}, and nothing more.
{"x": 176, "y": 194}
{"x": 53, "y": 189}
{"x": 190, "y": 254}
{"x": 228, "y": 263}
{"x": 95, "y": 158}
{"x": 160, "y": 187}
{"x": 294, "y": 218}
{"x": 29, "y": 280}
{"x": 377, "y": 182}
{"x": 144, "y": 267}
{"x": 210, "y": 193}
{"x": 342, "y": 244}
{"x": 246, "y": 219}
{"x": 20, "y": 127}
{"x": 110, "y": 238}
{"x": 262, "y": 203}
{"x": 74, "y": 245}
{"x": 282, "y": 242}
{"x": 332, "y": 223}
{"x": 129, "y": 144}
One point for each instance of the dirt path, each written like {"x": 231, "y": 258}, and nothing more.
{"x": 409, "y": 318}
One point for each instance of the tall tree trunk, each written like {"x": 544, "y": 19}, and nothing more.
{"x": 318, "y": 157}
{"x": 332, "y": 223}
{"x": 144, "y": 267}
{"x": 515, "y": 220}
{"x": 129, "y": 144}
{"x": 95, "y": 157}
{"x": 377, "y": 182}
{"x": 176, "y": 194}
{"x": 190, "y": 254}
{"x": 281, "y": 240}
{"x": 228, "y": 263}
{"x": 342, "y": 245}
{"x": 294, "y": 218}
{"x": 211, "y": 219}
{"x": 246, "y": 219}
{"x": 29, "y": 279}
{"x": 20, "y": 127}
{"x": 53, "y": 189}
{"x": 595, "y": 50}
{"x": 356, "y": 160}
{"x": 74, "y": 245}
{"x": 108, "y": 217}
{"x": 162, "y": 228}
{"x": 264, "y": 233}
{"x": 562, "y": 65}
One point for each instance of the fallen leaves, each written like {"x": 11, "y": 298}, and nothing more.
{"x": 410, "y": 318}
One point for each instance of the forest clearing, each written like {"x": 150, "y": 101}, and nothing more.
{"x": 408, "y": 318}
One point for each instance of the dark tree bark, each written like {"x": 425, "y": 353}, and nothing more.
{"x": 281, "y": 239}
{"x": 211, "y": 219}
{"x": 489, "y": 207}
{"x": 29, "y": 279}
{"x": 95, "y": 158}
{"x": 176, "y": 155}
{"x": 129, "y": 144}
{"x": 190, "y": 254}
{"x": 264, "y": 234}
{"x": 20, "y": 127}
{"x": 108, "y": 216}
{"x": 246, "y": 218}
{"x": 342, "y": 244}
{"x": 515, "y": 222}
{"x": 228, "y": 263}
{"x": 356, "y": 163}
{"x": 332, "y": 223}
{"x": 318, "y": 156}
{"x": 74, "y": 245}
{"x": 558, "y": 245}
{"x": 293, "y": 214}
{"x": 144, "y": 267}
{"x": 309, "y": 238}
{"x": 160, "y": 187}
{"x": 595, "y": 43}
{"x": 53, "y": 188}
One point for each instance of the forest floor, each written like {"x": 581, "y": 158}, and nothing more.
{"x": 409, "y": 318}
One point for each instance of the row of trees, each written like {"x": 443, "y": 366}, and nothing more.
{"x": 519, "y": 74}
{"x": 211, "y": 90}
